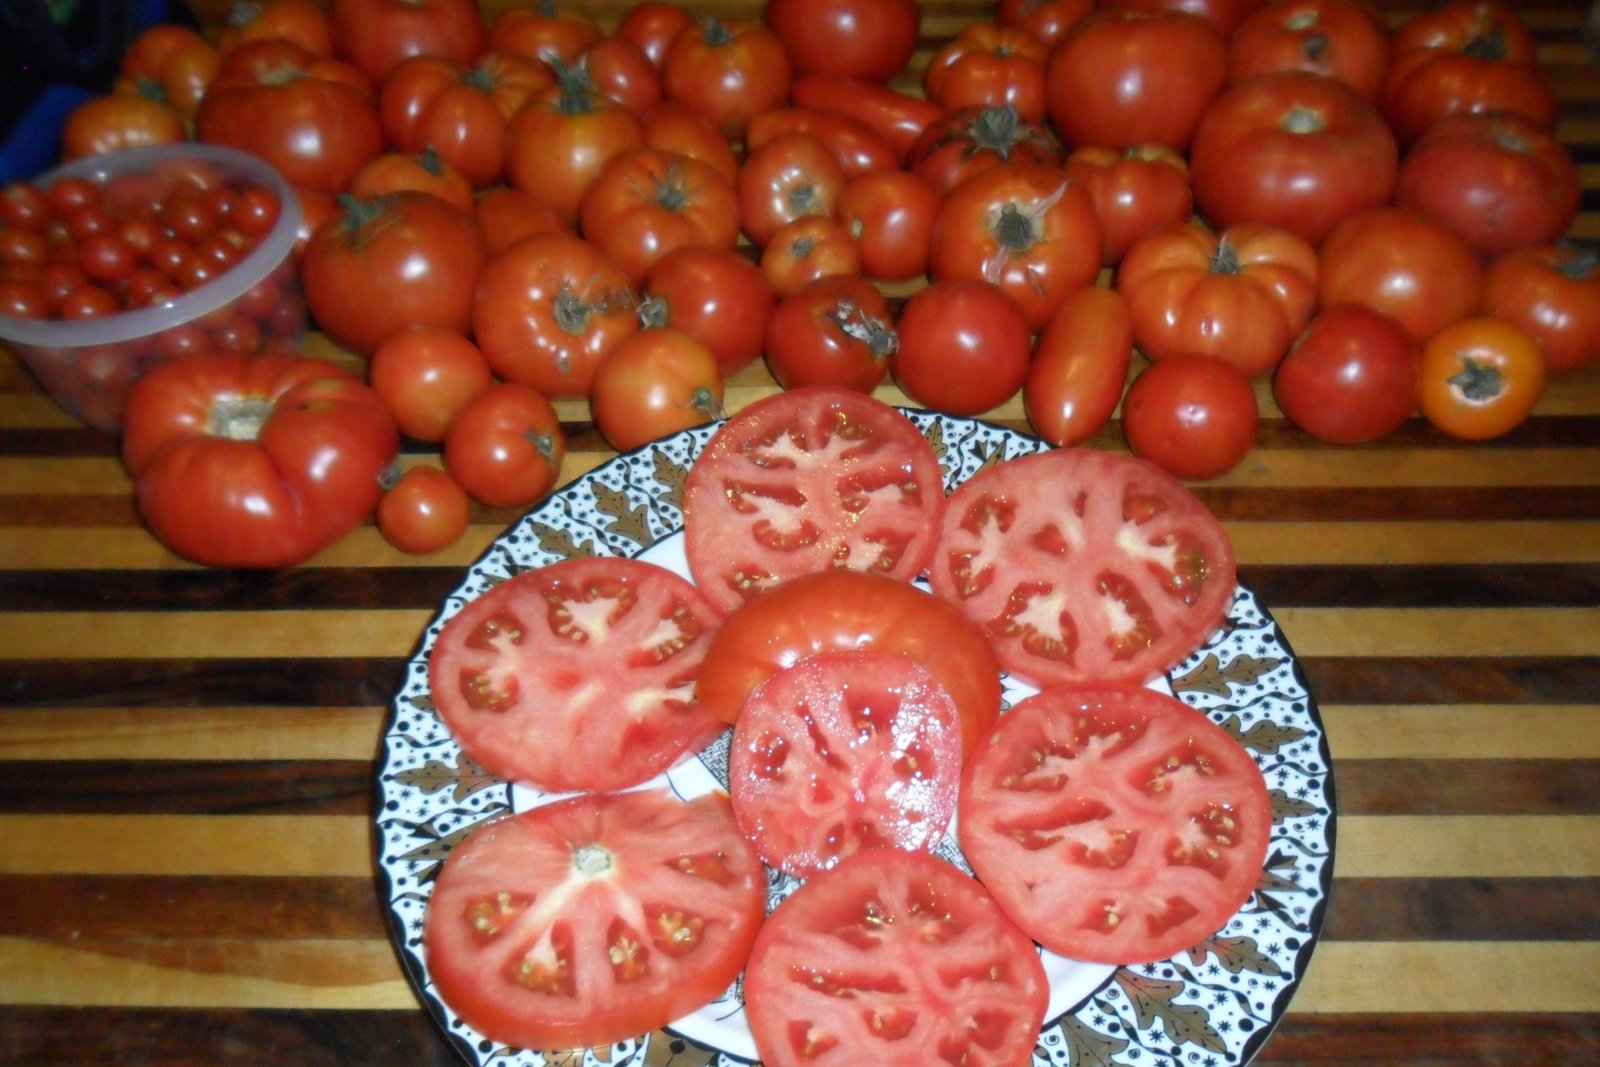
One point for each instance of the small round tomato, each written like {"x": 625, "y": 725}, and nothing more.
{"x": 1343, "y": 39}
{"x": 1133, "y": 191}
{"x": 374, "y": 35}
{"x": 971, "y": 140}
{"x": 424, "y": 511}
{"x": 116, "y": 121}
{"x": 838, "y": 330}
{"x": 868, "y": 39}
{"x": 988, "y": 64}
{"x": 964, "y": 347}
{"x": 652, "y": 24}
{"x": 810, "y": 247}
{"x": 1404, "y": 264}
{"x": 655, "y": 383}
{"x": 715, "y": 294}
{"x": 425, "y": 374}
{"x": 1553, "y": 294}
{"x": 788, "y": 177}
{"x": 1480, "y": 378}
{"x": 890, "y": 215}
{"x": 505, "y": 446}
{"x": 1079, "y": 366}
{"x": 727, "y": 71}
{"x": 1350, "y": 377}
{"x": 1195, "y": 416}
{"x": 645, "y": 202}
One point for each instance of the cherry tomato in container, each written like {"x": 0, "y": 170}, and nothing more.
{"x": 964, "y": 347}
{"x": 1480, "y": 378}
{"x": 1552, "y": 294}
{"x": 1079, "y": 366}
{"x": 868, "y": 39}
{"x": 1195, "y": 416}
{"x": 1350, "y": 377}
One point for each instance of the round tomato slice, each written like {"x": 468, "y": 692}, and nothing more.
{"x": 1084, "y": 565}
{"x": 577, "y": 675}
{"x": 808, "y": 480}
{"x": 1114, "y": 823}
{"x": 595, "y": 918}
{"x": 843, "y": 752}
{"x": 895, "y": 959}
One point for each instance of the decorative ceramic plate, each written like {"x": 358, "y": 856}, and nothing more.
{"x": 1213, "y": 1004}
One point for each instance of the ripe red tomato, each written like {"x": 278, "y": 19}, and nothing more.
{"x": 1168, "y": 849}
{"x": 548, "y": 308}
{"x": 1480, "y": 378}
{"x": 715, "y": 294}
{"x": 1404, "y": 264}
{"x": 1225, "y": 15}
{"x": 890, "y": 214}
{"x": 114, "y": 121}
{"x": 302, "y": 21}
{"x": 1341, "y": 39}
{"x": 1294, "y": 150}
{"x": 655, "y": 383}
{"x": 868, "y": 39}
{"x": 505, "y": 446}
{"x": 652, "y": 900}
{"x": 898, "y": 117}
{"x": 389, "y": 262}
{"x": 507, "y": 215}
{"x": 652, "y": 24}
{"x": 424, "y": 375}
{"x": 1133, "y": 191}
{"x": 857, "y": 488}
{"x": 836, "y": 331}
{"x": 552, "y": 655}
{"x": 841, "y": 610}
{"x": 1195, "y": 416}
{"x": 842, "y": 752}
{"x": 1553, "y": 295}
{"x": 674, "y": 128}
{"x": 622, "y": 72}
{"x": 422, "y": 172}
{"x": 1024, "y": 227}
{"x": 1048, "y": 20}
{"x": 562, "y": 138}
{"x": 1079, "y": 366}
{"x": 1500, "y": 180}
{"x": 810, "y": 247}
{"x": 728, "y": 71}
{"x": 1123, "y": 78}
{"x": 971, "y": 140}
{"x": 170, "y": 61}
{"x": 1350, "y": 377}
{"x": 964, "y": 347}
{"x": 374, "y": 35}
{"x": 254, "y": 460}
{"x": 788, "y": 177}
{"x": 424, "y": 511}
{"x": 645, "y": 202}
{"x": 1241, "y": 295}
{"x": 544, "y": 33}
{"x": 988, "y": 64}
{"x": 858, "y": 147}
{"x": 945, "y": 974}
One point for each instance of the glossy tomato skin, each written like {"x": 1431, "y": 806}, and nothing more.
{"x": 374, "y": 35}
{"x": 969, "y": 140}
{"x": 1123, "y": 78}
{"x": 790, "y": 176}
{"x": 1195, "y": 416}
{"x": 300, "y": 469}
{"x": 1185, "y": 796}
{"x": 1342, "y": 39}
{"x": 562, "y": 138}
{"x": 302, "y": 21}
{"x": 174, "y": 60}
{"x": 655, "y": 383}
{"x": 964, "y": 347}
{"x": 424, "y": 511}
{"x": 1079, "y": 367}
{"x": 958, "y": 965}
{"x": 1133, "y": 191}
{"x": 838, "y": 331}
{"x": 506, "y": 215}
{"x": 652, "y": 24}
{"x": 989, "y": 64}
{"x": 674, "y": 128}
{"x": 858, "y": 147}
{"x": 505, "y": 446}
{"x": 655, "y": 899}
{"x": 1350, "y": 377}
{"x": 1404, "y": 264}
{"x": 715, "y": 294}
{"x": 548, "y": 308}
{"x": 114, "y": 121}
{"x": 645, "y": 202}
{"x": 1553, "y": 295}
{"x": 868, "y": 39}
{"x": 1295, "y": 150}
{"x": 421, "y": 172}
{"x": 1225, "y": 15}
{"x": 810, "y": 247}
{"x": 424, "y": 375}
{"x": 1480, "y": 378}
{"x": 900, "y": 118}
{"x": 727, "y": 71}
{"x": 544, "y": 32}
{"x": 890, "y": 215}
{"x": 391, "y": 261}
{"x": 623, "y": 72}
{"x": 1500, "y": 180}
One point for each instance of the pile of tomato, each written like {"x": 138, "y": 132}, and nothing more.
{"x": 501, "y": 211}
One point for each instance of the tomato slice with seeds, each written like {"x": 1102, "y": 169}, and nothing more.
{"x": 807, "y": 480}
{"x": 577, "y": 675}
{"x": 1114, "y": 823}
{"x": 1084, "y": 565}
{"x": 842, "y": 752}
{"x": 595, "y": 918}
{"x": 895, "y": 959}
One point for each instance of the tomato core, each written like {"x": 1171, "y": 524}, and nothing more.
{"x": 239, "y": 418}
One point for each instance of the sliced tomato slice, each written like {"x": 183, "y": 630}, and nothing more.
{"x": 894, "y": 959}
{"x": 809, "y": 480}
{"x": 577, "y": 675}
{"x": 1114, "y": 823}
{"x": 594, "y": 919}
{"x": 843, "y": 752}
{"x": 1082, "y": 565}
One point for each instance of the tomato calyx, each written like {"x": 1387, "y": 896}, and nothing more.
{"x": 1017, "y": 227}
{"x": 572, "y": 312}
{"x": 1489, "y": 44}
{"x": 879, "y": 337}
{"x": 1226, "y": 259}
{"x": 1477, "y": 381}
{"x": 999, "y": 128}
{"x": 1303, "y": 120}
{"x": 718, "y": 34}
{"x": 578, "y": 95}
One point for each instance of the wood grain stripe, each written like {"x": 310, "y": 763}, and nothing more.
{"x": 1466, "y": 732}
{"x": 1436, "y": 976}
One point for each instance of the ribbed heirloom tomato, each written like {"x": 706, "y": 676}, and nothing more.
{"x": 989, "y": 64}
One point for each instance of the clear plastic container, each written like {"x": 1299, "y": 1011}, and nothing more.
{"x": 87, "y": 366}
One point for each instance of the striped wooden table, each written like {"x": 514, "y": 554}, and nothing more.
{"x": 187, "y": 755}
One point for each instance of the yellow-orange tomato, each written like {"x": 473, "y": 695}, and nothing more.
{"x": 1480, "y": 378}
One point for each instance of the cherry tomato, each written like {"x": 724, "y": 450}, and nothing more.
{"x": 1195, "y": 416}
{"x": 653, "y": 384}
{"x": 1552, "y": 294}
{"x": 868, "y": 39}
{"x": 1350, "y": 377}
{"x": 964, "y": 347}
{"x": 1403, "y": 263}
{"x": 424, "y": 511}
{"x": 505, "y": 446}
{"x": 425, "y": 374}
{"x": 838, "y": 331}
{"x": 1480, "y": 378}
{"x": 1079, "y": 366}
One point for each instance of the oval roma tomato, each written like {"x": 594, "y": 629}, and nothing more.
{"x": 900, "y": 118}
{"x": 1115, "y": 823}
{"x": 715, "y": 294}
{"x": 254, "y": 461}
{"x": 868, "y": 39}
{"x": 727, "y": 71}
{"x": 645, "y": 202}
{"x": 1124, "y": 78}
{"x": 842, "y": 752}
{"x": 1023, "y": 227}
{"x": 424, "y": 375}
{"x": 971, "y": 140}
{"x": 1298, "y": 151}
{"x": 424, "y": 511}
{"x": 593, "y": 919}
{"x": 1404, "y": 264}
{"x": 836, "y": 331}
{"x": 654, "y": 383}
{"x": 890, "y": 215}
{"x": 1500, "y": 180}
{"x": 1133, "y": 191}
{"x": 934, "y": 969}
{"x": 1341, "y": 39}
{"x": 1350, "y": 377}
{"x": 1553, "y": 295}
{"x": 1480, "y": 378}
{"x": 809, "y": 480}
{"x": 1079, "y": 366}
{"x": 1241, "y": 295}
{"x": 548, "y": 308}
{"x": 1193, "y": 416}
{"x": 988, "y": 64}
{"x": 374, "y": 35}
{"x": 1150, "y": 576}
{"x": 578, "y": 675}
{"x": 964, "y": 347}
{"x": 561, "y": 139}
